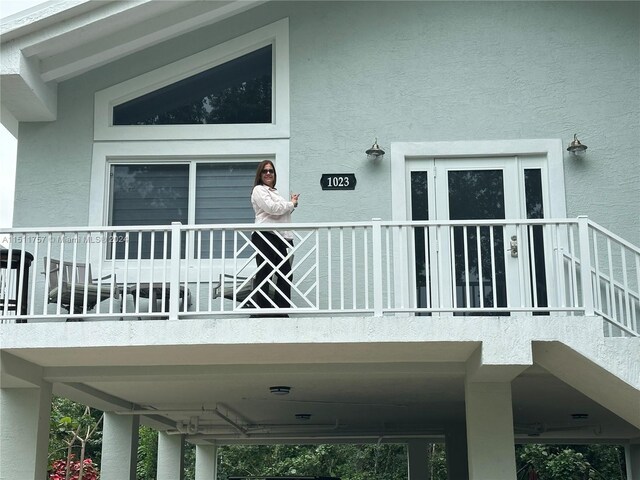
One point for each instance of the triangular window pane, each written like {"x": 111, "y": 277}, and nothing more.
{"x": 238, "y": 91}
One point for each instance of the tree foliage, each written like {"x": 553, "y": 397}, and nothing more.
{"x": 74, "y": 430}
{"x": 147, "y": 462}
{"x": 189, "y": 462}
{"x": 570, "y": 462}
{"x": 349, "y": 462}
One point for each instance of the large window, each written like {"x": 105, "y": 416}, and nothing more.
{"x": 159, "y": 193}
{"x": 237, "y": 91}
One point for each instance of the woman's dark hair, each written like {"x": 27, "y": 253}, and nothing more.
{"x": 261, "y": 166}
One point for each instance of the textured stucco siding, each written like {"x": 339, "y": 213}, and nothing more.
{"x": 401, "y": 71}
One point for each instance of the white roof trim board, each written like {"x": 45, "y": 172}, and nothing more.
{"x": 59, "y": 40}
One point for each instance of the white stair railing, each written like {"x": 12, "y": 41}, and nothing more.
{"x": 615, "y": 281}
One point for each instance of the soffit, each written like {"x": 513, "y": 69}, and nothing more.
{"x": 353, "y": 391}
{"x": 65, "y": 39}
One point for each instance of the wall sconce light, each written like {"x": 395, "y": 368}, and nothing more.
{"x": 375, "y": 152}
{"x": 575, "y": 146}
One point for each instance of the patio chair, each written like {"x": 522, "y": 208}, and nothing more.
{"x": 153, "y": 292}
{"x": 72, "y": 295}
{"x": 240, "y": 286}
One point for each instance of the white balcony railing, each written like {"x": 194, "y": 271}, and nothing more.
{"x": 490, "y": 267}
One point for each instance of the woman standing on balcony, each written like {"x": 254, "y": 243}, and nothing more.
{"x": 270, "y": 207}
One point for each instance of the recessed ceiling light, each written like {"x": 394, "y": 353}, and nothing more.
{"x": 303, "y": 416}
{"x": 280, "y": 390}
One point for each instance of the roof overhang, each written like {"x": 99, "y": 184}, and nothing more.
{"x": 59, "y": 40}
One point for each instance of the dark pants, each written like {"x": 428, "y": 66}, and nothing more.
{"x": 273, "y": 248}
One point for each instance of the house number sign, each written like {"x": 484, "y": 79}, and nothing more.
{"x": 338, "y": 181}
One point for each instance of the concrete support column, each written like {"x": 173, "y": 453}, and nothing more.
{"x": 632, "y": 457}
{"x": 119, "y": 447}
{"x": 206, "y": 462}
{"x": 24, "y": 432}
{"x": 418, "y": 459}
{"x": 490, "y": 441}
{"x": 456, "y": 450}
{"x": 170, "y": 457}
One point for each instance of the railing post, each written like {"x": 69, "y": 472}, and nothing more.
{"x": 585, "y": 265}
{"x": 377, "y": 267}
{"x": 174, "y": 279}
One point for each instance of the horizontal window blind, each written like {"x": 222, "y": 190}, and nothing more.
{"x": 223, "y": 192}
{"x": 151, "y": 194}
{"x": 158, "y": 194}
{"x": 223, "y": 195}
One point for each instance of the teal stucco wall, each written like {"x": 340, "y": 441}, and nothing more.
{"x": 401, "y": 71}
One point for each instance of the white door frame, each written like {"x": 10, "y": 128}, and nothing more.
{"x": 550, "y": 149}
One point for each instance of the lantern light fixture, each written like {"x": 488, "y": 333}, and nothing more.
{"x": 575, "y": 146}
{"x": 375, "y": 152}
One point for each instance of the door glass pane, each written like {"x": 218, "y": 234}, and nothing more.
{"x": 238, "y": 91}
{"x": 535, "y": 209}
{"x": 420, "y": 211}
{"x": 148, "y": 195}
{"x": 478, "y": 195}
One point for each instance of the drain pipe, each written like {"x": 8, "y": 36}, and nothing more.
{"x": 293, "y": 428}
{"x": 190, "y": 427}
{"x": 239, "y": 428}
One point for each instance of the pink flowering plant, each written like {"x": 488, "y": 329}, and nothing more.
{"x": 86, "y": 468}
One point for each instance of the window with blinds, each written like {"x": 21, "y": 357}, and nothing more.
{"x": 158, "y": 194}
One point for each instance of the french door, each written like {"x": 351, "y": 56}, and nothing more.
{"x": 469, "y": 263}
